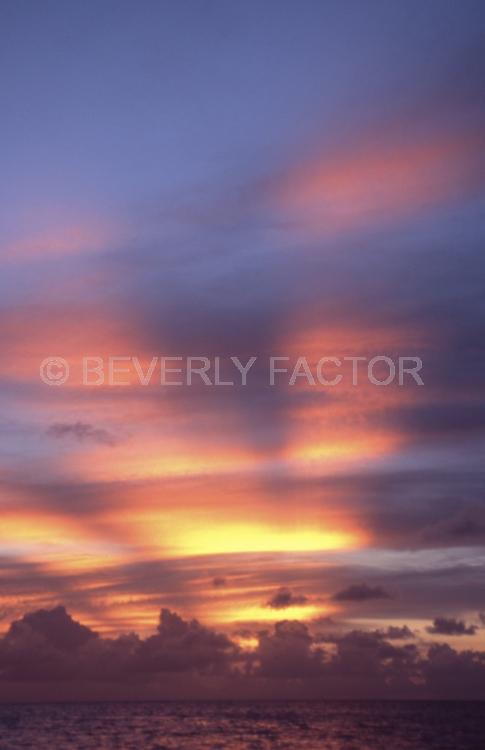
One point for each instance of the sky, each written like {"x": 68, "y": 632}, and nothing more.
{"x": 213, "y": 180}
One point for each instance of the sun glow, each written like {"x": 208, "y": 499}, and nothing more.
{"x": 193, "y": 534}
{"x": 246, "y": 643}
{"x": 260, "y": 613}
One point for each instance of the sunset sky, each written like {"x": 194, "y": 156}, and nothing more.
{"x": 217, "y": 179}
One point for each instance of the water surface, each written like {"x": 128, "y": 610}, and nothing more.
{"x": 244, "y": 726}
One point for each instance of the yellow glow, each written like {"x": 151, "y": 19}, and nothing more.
{"x": 35, "y": 528}
{"x": 122, "y": 615}
{"x": 189, "y": 534}
{"x": 238, "y": 537}
{"x": 59, "y": 545}
{"x": 349, "y": 450}
{"x": 260, "y": 613}
{"x": 80, "y": 558}
{"x": 249, "y": 643}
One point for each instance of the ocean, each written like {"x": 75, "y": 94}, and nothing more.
{"x": 329, "y": 725}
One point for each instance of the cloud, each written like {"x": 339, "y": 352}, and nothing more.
{"x": 450, "y": 626}
{"x": 182, "y": 646}
{"x": 178, "y": 290}
{"x": 56, "y": 626}
{"x": 465, "y": 525}
{"x": 219, "y": 581}
{"x": 449, "y": 672}
{"x": 448, "y": 419}
{"x": 360, "y": 592}
{"x": 44, "y": 645}
{"x": 81, "y": 431}
{"x": 284, "y": 598}
{"x": 287, "y": 652}
{"x": 396, "y": 633}
{"x": 373, "y": 181}
{"x": 48, "y": 648}
{"x": 363, "y": 664}
{"x": 50, "y": 645}
{"x": 391, "y": 633}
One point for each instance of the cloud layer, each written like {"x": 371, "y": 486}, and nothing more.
{"x": 48, "y": 647}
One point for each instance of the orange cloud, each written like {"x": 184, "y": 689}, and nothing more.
{"x": 372, "y": 181}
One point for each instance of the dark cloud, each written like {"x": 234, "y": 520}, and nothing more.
{"x": 284, "y": 598}
{"x": 450, "y": 626}
{"x": 465, "y": 525}
{"x": 50, "y": 645}
{"x": 182, "y": 646}
{"x": 44, "y": 645}
{"x": 417, "y": 508}
{"x": 48, "y": 648}
{"x": 391, "y": 633}
{"x": 287, "y": 652}
{"x": 360, "y": 592}
{"x": 372, "y": 659}
{"x": 448, "y": 419}
{"x": 365, "y": 664}
{"x": 56, "y": 626}
{"x": 81, "y": 431}
{"x": 449, "y": 672}
{"x": 219, "y": 581}
{"x": 397, "y": 633}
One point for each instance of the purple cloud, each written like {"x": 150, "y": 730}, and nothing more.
{"x": 360, "y": 592}
{"x": 284, "y": 598}
{"x": 450, "y": 626}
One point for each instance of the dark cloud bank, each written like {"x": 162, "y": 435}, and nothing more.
{"x": 47, "y": 655}
{"x": 361, "y": 592}
{"x": 286, "y": 598}
{"x": 451, "y": 626}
